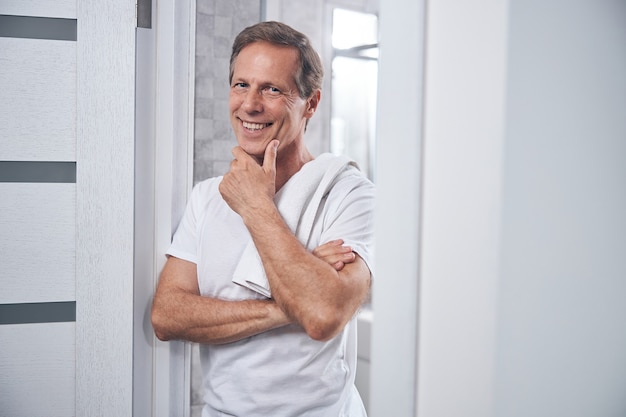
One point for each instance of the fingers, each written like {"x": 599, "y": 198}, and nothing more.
{"x": 250, "y": 182}
{"x": 269, "y": 160}
{"x": 240, "y": 154}
{"x": 328, "y": 248}
{"x": 338, "y": 266}
{"x": 335, "y": 254}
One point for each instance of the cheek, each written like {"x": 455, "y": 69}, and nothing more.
{"x": 234, "y": 102}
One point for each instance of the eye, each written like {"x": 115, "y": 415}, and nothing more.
{"x": 272, "y": 91}
{"x": 240, "y": 86}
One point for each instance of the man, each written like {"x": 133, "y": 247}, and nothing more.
{"x": 299, "y": 227}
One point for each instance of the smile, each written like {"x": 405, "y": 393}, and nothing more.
{"x": 255, "y": 126}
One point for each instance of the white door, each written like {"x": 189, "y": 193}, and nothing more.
{"x": 67, "y": 125}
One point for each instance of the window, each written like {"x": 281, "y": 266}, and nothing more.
{"x": 354, "y": 87}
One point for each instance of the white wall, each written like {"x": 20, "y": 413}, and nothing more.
{"x": 465, "y": 65}
{"x": 561, "y": 339}
{"x": 521, "y": 168}
{"x": 398, "y": 176}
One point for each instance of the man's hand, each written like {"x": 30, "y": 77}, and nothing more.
{"x": 335, "y": 254}
{"x": 248, "y": 185}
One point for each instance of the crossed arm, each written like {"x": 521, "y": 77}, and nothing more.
{"x": 320, "y": 290}
{"x": 179, "y": 312}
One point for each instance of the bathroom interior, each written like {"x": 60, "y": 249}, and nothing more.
{"x": 500, "y": 164}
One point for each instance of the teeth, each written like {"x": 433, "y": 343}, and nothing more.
{"x": 254, "y": 126}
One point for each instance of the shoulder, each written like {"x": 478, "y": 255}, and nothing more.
{"x": 208, "y": 184}
{"x": 206, "y": 189}
{"x": 352, "y": 183}
{"x": 349, "y": 179}
{"x": 205, "y": 194}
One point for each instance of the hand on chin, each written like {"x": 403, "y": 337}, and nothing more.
{"x": 254, "y": 149}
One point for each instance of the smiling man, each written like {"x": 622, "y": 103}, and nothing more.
{"x": 272, "y": 261}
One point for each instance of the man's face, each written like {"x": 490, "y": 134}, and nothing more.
{"x": 264, "y": 102}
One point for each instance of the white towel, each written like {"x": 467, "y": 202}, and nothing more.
{"x": 298, "y": 203}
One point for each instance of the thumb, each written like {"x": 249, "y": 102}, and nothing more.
{"x": 269, "y": 160}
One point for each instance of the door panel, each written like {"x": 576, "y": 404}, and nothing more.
{"x": 38, "y": 112}
{"x": 66, "y": 309}
{"x": 37, "y": 242}
{"x": 37, "y": 368}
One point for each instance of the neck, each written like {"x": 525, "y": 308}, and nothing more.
{"x": 289, "y": 162}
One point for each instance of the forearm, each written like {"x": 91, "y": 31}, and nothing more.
{"x": 213, "y": 321}
{"x": 179, "y": 312}
{"x": 308, "y": 289}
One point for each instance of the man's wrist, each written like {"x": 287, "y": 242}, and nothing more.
{"x": 261, "y": 214}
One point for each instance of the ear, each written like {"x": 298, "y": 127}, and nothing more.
{"x": 312, "y": 102}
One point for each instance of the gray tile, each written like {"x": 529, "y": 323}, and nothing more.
{"x": 204, "y": 66}
{"x": 221, "y": 150}
{"x": 202, "y": 169}
{"x": 204, "y": 108}
{"x": 220, "y": 109}
{"x": 205, "y": 24}
{"x": 223, "y": 47}
{"x": 220, "y": 168}
{"x": 204, "y": 45}
{"x": 205, "y": 6}
{"x": 204, "y": 87}
{"x": 223, "y": 25}
{"x": 221, "y": 89}
{"x": 203, "y": 129}
{"x": 222, "y": 129}
{"x": 226, "y": 8}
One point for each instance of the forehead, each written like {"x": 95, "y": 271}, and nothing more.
{"x": 266, "y": 60}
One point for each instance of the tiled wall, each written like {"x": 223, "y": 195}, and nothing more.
{"x": 217, "y": 24}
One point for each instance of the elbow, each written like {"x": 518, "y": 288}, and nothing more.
{"x": 323, "y": 327}
{"x": 159, "y": 326}
{"x": 162, "y": 336}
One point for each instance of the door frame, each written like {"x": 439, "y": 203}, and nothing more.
{"x": 164, "y": 179}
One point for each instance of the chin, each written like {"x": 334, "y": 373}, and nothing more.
{"x": 256, "y": 149}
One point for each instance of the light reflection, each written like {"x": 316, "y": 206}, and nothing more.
{"x": 354, "y": 87}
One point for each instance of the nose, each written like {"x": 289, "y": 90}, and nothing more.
{"x": 252, "y": 102}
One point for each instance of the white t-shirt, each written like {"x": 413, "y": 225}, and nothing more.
{"x": 281, "y": 372}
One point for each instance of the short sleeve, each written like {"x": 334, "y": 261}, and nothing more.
{"x": 349, "y": 216}
{"x": 185, "y": 241}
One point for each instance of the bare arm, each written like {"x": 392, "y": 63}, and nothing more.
{"x": 179, "y": 312}
{"x": 310, "y": 291}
